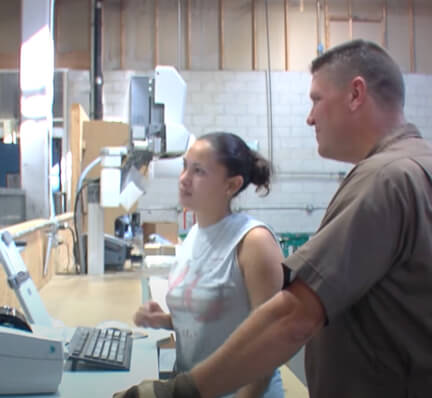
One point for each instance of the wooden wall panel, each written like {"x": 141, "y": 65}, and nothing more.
{"x": 76, "y": 120}
{"x": 33, "y": 254}
{"x": 98, "y": 134}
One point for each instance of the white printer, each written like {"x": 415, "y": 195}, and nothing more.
{"x": 30, "y": 363}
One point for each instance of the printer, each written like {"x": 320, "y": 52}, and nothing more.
{"x": 30, "y": 363}
{"x": 116, "y": 252}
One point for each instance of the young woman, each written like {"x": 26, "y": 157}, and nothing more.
{"x": 229, "y": 262}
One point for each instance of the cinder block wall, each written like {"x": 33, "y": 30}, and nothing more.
{"x": 237, "y": 102}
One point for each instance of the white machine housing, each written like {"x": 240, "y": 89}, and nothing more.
{"x": 156, "y": 127}
{"x": 29, "y": 363}
{"x": 170, "y": 90}
{"x": 156, "y": 111}
{"x": 157, "y": 140}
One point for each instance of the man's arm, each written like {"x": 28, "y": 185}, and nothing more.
{"x": 270, "y": 336}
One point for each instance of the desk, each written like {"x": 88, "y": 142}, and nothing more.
{"x": 102, "y": 384}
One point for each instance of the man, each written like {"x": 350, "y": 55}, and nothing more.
{"x": 361, "y": 291}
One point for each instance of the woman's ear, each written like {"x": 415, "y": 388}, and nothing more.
{"x": 234, "y": 185}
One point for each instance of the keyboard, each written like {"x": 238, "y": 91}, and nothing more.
{"x": 101, "y": 349}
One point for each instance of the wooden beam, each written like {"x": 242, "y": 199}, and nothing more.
{"x": 412, "y": 36}
{"x": 9, "y": 60}
{"x": 79, "y": 59}
{"x": 253, "y": 23}
{"x": 89, "y": 38}
{"x": 286, "y": 37}
{"x": 73, "y": 60}
{"x": 77, "y": 117}
{"x": 384, "y": 25}
{"x": 326, "y": 25}
{"x": 56, "y": 27}
{"x": 318, "y": 26}
{"x": 221, "y": 34}
{"x": 350, "y": 20}
{"x": 156, "y": 34}
{"x": 122, "y": 35}
{"x": 188, "y": 34}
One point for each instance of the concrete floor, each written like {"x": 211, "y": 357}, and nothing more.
{"x": 90, "y": 300}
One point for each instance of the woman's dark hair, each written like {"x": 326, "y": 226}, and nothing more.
{"x": 233, "y": 153}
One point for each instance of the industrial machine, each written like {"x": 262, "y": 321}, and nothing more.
{"x": 157, "y": 135}
{"x": 157, "y": 138}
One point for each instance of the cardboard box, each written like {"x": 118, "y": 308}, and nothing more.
{"x": 167, "y": 230}
{"x": 96, "y": 135}
{"x": 166, "y": 357}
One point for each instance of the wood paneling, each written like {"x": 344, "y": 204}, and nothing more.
{"x": 9, "y": 60}
{"x": 96, "y": 135}
{"x": 76, "y": 120}
{"x": 33, "y": 255}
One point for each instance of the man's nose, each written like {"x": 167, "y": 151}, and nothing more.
{"x": 310, "y": 119}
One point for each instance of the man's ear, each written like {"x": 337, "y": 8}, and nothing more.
{"x": 234, "y": 184}
{"x": 358, "y": 92}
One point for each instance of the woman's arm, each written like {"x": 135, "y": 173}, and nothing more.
{"x": 259, "y": 257}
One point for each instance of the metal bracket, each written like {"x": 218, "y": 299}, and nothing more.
{"x": 17, "y": 280}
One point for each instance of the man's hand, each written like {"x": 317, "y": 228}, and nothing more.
{"x": 182, "y": 386}
{"x": 143, "y": 390}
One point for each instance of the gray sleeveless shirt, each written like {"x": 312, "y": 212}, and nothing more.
{"x": 207, "y": 296}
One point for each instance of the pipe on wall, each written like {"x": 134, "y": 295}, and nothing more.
{"x": 308, "y": 208}
{"x": 150, "y": 209}
{"x": 269, "y": 91}
{"x": 339, "y": 175}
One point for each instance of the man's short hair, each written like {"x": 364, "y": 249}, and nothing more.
{"x": 363, "y": 58}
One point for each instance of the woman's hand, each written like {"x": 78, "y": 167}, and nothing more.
{"x": 151, "y": 315}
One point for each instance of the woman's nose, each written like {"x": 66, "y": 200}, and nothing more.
{"x": 184, "y": 177}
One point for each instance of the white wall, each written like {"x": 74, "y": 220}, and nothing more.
{"x": 236, "y": 102}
